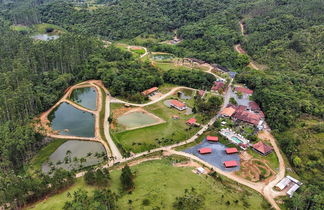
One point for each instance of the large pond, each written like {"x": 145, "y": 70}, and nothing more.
{"x": 45, "y": 37}
{"x": 74, "y": 154}
{"x": 71, "y": 121}
{"x": 136, "y": 119}
{"x": 161, "y": 57}
{"x": 86, "y": 97}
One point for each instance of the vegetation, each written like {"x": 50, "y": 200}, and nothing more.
{"x": 189, "y": 201}
{"x": 98, "y": 177}
{"x": 126, "y": 179}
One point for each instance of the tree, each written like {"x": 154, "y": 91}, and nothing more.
{"x": 191, "y": 200}
{"x": 126, "y": 178}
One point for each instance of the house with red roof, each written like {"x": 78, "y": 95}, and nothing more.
{"x": 201, "y": 93}
{"x": 262, "y": 148}
{"x": 227, "y": 112}
{"x": 248, "y": 117}
{"x": 178, "y": 105}
{"x": 212, "y": 138}
{"x": 229, "y": 164}
{"x": 231, "y": 150}
{"x": 150, "y": 91}
{"x": 254, "y": 106}
{"x": 217, "y": 86}
{"x": 192, "y": 121}
{"x": 244, "y": 90}
{"x": 205, "y": 150}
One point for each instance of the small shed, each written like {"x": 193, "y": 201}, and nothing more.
{"x": 212, "y": 138}
{"x": 231, "y": 150}
{"x": 229, "y": 164}
{"x": 205, "y": 150}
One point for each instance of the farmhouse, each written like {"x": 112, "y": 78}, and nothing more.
{"x": 244, "y": 90}
{"x": 231, "y": 150}
{"x": 178, "y": 105}
{"x": 149, "y": 91}
{"x": 192, "y": 121}
{"x": 205, "y": 150}
{"x": 229, "y": 164}
{"x": 212, "y": 138}
{"x": 262, "y": 148}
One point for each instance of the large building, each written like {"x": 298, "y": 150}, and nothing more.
{"x": 262, "y": 148}
{"x": 149, "y": 91}
{"x": 178, "y": 105}
{"x": 244, "y": 90}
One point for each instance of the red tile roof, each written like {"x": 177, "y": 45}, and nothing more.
{"x": 217, "y": 85}
{"x": 177, "y": 103}
{"x": 149, "y": 91}
{"x": 228, "y": 111}
{"x": 231, "y": 150}
{"x": 231, "y": 163}
{"x": 247, "y": 116}
{"x": 254, "y": 106}
{"x": 212, "y": 138}
{"x": 205, "y": 150}
{"x": 262, "y": 147}
{"x": 192, "y": 121}
{"x": 244, "y": 90}
{"x": 201, "y": 92}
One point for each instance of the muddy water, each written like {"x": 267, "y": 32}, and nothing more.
{"x": 86, "y": 97}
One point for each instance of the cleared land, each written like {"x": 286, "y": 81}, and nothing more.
{"x": 159, "y": 182}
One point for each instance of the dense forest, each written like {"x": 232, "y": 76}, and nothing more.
{"x": 285, "y": 35}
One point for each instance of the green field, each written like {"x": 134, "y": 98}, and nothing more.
{"x": 139, "y": 51}
{"x": 20, "y": 28}
{"x": 41, "y": 28}
{"x": 160, "y": 182}
{"x": 171, "y": 132}
{"x": 43, "y": 154}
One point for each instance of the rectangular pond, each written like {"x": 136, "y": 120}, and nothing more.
{"x": 68, "y": 155}
{"x": 217, "y": 156}
{"x": 86, "y": 97}
{"x": 68, "y": 120}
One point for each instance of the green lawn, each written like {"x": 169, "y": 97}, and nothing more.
{"x": 20, "y": 28}
{"x": 43, "y": 154}
{"x": 138, "y": 51}
{"x": 171, "y": 132}
{"x": 160, "y": 183}
{"x": 41, "y": 28}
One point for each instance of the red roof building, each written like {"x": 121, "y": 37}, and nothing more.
{"x": 254, "y": 106}
{"x": 149, "y": 91}
{"x": 217, "y": 85}
{"x": 231, "y": 150}
{"x": 205, "y": 150}
{"x": 212, "y": 138}
{"x": 201, "y": 93}
{"x": 262, "y": 148}
{"x": 248, "y": 117}
{"x": 244, "y": 90}
{"x": 178, "y": 105}
{"x": 228, "y": 111}
{"x": 231, "y": 163}
{"x": 191, "y": 121}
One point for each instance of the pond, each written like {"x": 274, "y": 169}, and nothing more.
{"x": 68, "y": 155}
{"x": 71, "y": 121}
{"x": 161, "y": 57}
{"x": 136, "y": 119}
{"x": 86, "y": 97}
{"x": 45, "y": 37}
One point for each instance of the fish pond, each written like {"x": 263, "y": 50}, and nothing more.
{"x": 136, "y": 119}
{"x": 75, "y": 154}
{"x": 86, "y": 97}
{"x": 68, "y": 120}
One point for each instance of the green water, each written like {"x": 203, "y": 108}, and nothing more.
{"x": 86, "y": 97}
{"x": 136, "y": 119}
{"x": 68, "y": 155}
{"x": 161, "y": 57}
{"x": 77, "y": 122}
{"x": 237, "y": 140}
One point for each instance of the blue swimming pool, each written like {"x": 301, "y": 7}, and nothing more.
{"x": 237, "y": 140}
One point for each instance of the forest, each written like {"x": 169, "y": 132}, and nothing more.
{"x": 285, "y": 35}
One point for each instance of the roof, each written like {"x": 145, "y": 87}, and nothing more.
{"x": 244, "y": 90}
{"x": 262, "y": 147}
{"x": 247, "y": 116}
{"x": 294, "y": 180}
{"x": 205, "y": 150}
{"x": 177, "y": 103}
{"x": 283, "y": 183}
{"x": 149, "y": 91}
{"x": 228, "y": 111}
{"x": 217, "y": 85}
{"x": 212, "y": 138}
{"x": 231, "y": 163}
{"x": 192, "y": 121}
{"x": 201, "y": 92}
{"x": 254, "y": 106}
{"x": 292, "y": 190}
{"x": 231, "y": 150}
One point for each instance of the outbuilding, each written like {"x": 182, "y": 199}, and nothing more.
{"x": 205, "y": 150}
{"x": 229, "y": 164}
{"x": 231, "y": 150}
{"x": 212, "y": 138}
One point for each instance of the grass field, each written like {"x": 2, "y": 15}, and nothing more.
{"x": 171, "y": 132}
{"x": 160, "y": 182}
{"x": 43, "y": 154}
{"x": 41, "y": 28}
{"x": 20, "y": 28}
{"x": 138, "y": 51}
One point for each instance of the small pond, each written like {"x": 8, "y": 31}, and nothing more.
{"x": 86, "y": 97}
{"x": 161, "y": 57}
{"x": 69, "y": 154}
{"x": 71, "y": 121}
{"x": 136, "y": 119}
{"x": 45, "y": 37}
